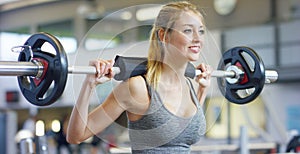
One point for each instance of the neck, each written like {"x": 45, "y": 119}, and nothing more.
{"x": 173, "y": 71}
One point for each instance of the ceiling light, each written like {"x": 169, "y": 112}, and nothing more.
{"x": 126, "y": 15}
{"x": 90, "y": 10}
{"x": 149, "y": 13}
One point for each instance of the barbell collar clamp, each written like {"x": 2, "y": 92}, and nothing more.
{"x": 40, "y": 69}
{"x": 239, "y": 74}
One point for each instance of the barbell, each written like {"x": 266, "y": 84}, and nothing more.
{"x": 241, "y": 74}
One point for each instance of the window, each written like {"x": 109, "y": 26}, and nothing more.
{"x": 9, "y": 40}
{"x": 64, "y": 32}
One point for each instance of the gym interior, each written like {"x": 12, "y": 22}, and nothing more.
{"x": 89, "y": 29}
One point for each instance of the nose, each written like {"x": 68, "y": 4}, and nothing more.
{"x": 196, "y": 37}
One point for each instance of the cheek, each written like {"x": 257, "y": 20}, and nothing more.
{"x": 180, "y": 41}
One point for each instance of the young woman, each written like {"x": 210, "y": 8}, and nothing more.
{"x": 163, "y": 109}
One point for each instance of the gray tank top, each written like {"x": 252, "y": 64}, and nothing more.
{"x": 160, "y": 131}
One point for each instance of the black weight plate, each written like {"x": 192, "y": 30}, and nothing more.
{"x": 52, "y": 85}
{"x": 252, "y": 65}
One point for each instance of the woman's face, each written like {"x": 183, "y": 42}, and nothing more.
{"x": 186, "y": 37}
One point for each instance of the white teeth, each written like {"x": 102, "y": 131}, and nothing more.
{"x": 194, "y": 48}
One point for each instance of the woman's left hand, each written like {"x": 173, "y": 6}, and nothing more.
{"x": 204, "y": 78}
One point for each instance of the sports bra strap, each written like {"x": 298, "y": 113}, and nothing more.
{"x": 148, "y": 86}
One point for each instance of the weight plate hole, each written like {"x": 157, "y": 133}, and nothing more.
{"x": 245, "y": 92}
{"x": 49, "y": 48}
{"x": 249, "y": 60}
{"x": 48, "y": 92}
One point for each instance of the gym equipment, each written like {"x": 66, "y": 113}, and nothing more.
{"x": 252, "y": 75}
{"x": 52, "y": 69}
{"x": 294, "y": 145}
{"x": 241, "y": 70}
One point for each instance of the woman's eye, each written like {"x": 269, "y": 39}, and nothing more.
{"x": 187, "y": 30}
{"x": 201, "y": 32}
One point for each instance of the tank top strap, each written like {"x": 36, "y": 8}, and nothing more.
{"x": 148, "y": 86}
{"x": 193, "y": 92}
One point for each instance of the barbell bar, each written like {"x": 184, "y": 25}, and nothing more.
{"x": 13, "y": 68}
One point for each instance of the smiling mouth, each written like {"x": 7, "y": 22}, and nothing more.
{"x": 195, "y": 49}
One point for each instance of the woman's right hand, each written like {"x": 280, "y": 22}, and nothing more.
{"x": 204, "y": 78}
{"x": 104, "y": 71}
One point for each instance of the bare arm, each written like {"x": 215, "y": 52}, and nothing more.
{"x": 201, "y": 94}
{"x": 130, "y": 96}
{"x": 83, "y": 124}
{"x": 204, "y": 82}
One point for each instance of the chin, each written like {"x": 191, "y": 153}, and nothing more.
{"x": 193, "y": 58}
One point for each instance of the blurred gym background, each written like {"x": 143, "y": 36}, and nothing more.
{"x": 103, "y": 28}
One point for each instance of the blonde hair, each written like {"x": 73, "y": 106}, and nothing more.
{"x": 165, "y": 20}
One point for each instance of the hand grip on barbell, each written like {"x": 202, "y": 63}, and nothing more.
{"x": 31, "y": 69}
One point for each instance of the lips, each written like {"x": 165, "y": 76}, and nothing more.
{"x": 195, "y": 49}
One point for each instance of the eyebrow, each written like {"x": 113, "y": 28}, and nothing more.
{"x": 190, "y": 25}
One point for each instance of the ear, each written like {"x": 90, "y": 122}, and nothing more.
{"x": 161, "y": 35}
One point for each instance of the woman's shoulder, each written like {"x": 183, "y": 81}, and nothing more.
{"x": 133, "y": 91}
{"x": 137, "y": 83}
{"x": 137, "y": 86}
{"x": 140, "y": 100}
